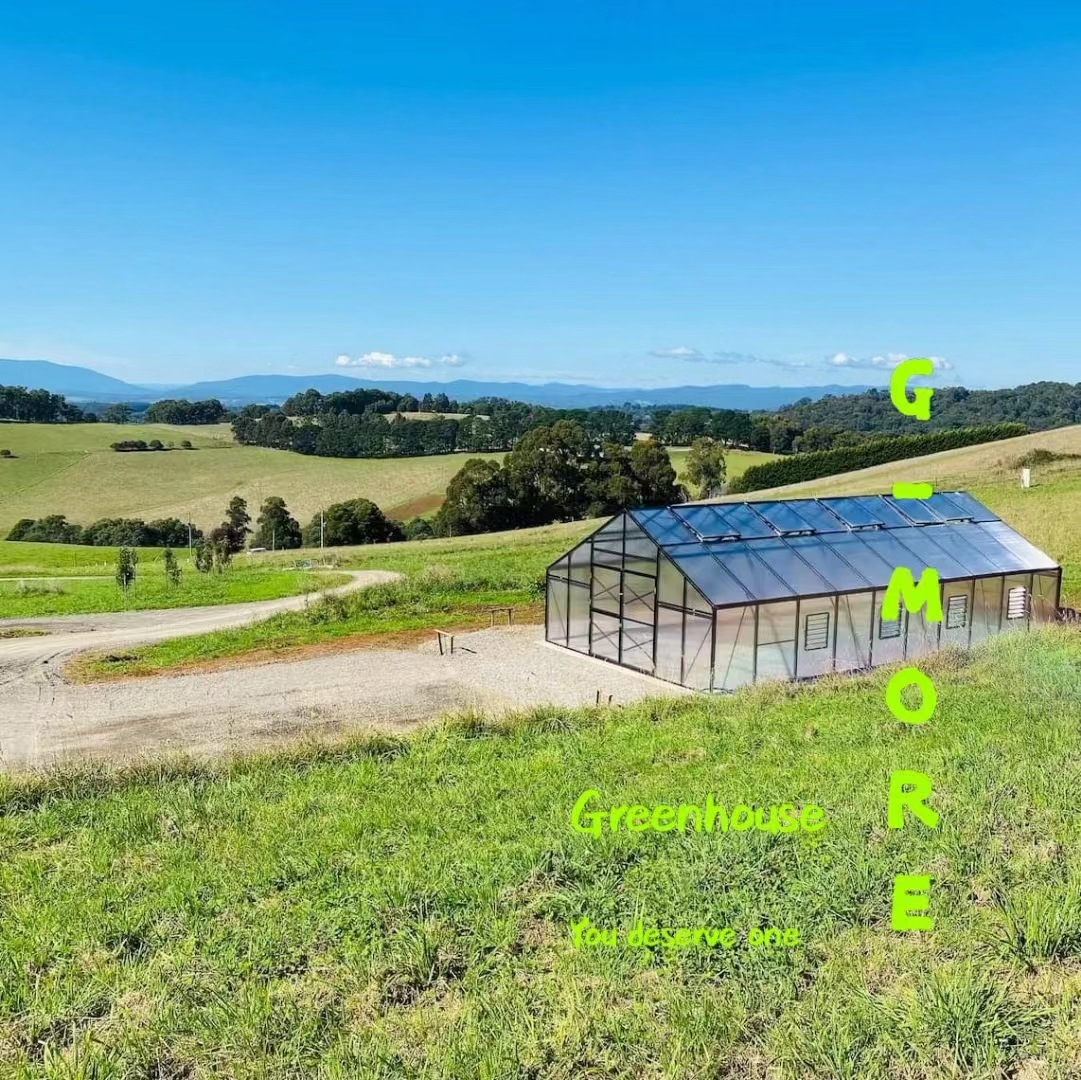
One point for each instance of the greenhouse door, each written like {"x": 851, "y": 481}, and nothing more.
{"x": 621, "y": 617}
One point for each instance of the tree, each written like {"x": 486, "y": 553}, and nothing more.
{"x": 478, "y": 500}
{"x": 418, "y": 528}
{"x": 233, "y": 532}
{"x": 116, "y": 414}
{"x": 654, "y": 474}
{"x": 171, "y": 566}
{"x": 203, "y": 553}
{"x": 706, "y": 468}
{"x": 275, "y": 527}
{"x": 126, "y": 561}
{"x": 358, "y": 521}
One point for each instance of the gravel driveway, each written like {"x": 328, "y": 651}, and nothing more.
{"x": 44, "y": 720}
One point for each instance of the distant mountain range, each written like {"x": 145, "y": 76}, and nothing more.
{"x": 84, "y": 384}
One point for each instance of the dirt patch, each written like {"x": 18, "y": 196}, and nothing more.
{"x": 417, "y": 508}
{"x": 79, "y": 669}
{"x": 22, "y": 633}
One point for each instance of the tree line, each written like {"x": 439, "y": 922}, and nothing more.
{"x": 106, "y": 532}
{"x": 339, "y": 430}
{"x": 37, "y": 407}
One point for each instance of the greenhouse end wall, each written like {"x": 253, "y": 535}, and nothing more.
{"x": 618, "y": 597}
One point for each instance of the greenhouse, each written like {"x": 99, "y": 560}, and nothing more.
{"x": 714, "y": 596}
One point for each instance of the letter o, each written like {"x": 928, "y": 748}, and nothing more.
{"x": 911, "y": 676}
{"x": 755, "y": 936}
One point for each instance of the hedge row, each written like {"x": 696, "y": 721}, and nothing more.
{"x": 799, "y": 467}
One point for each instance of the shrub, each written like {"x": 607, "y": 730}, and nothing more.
{"x": 800, "y": 467}
{"x": 185, "y": 444}
{"x": 6, "y": 453}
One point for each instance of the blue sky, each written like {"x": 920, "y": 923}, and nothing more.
{"x": 621, "y": 193}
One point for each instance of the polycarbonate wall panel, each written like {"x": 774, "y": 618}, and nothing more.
{"x": 1013, "y": 602}
{"x": 578, "y": 618}
{"x": 922, "y": 635}
{"x": 639, "y": 598}
{"x": 853, "y": 631}
{"x": 670, "y": 583}
{"x": 817, "y": 623}
{"x": 986, "y": 608}
{"x": 606, "y": 588}
{"x": 1044, "y": 597}
{"x": 956, "y": 613}
{"x": 580, "y": 562}
{"x": 637, "y": 645}
{"x": 611, "y": 535}
{"x": 605, "y": 643}
{"x": 734, "y": 663}
{"x": 776, "y": 641}
{"x": 698, "y": 652}
{"x": 889, "y": 649}
{"x": 556, "y": 614}
{"x": 669, "y": 645}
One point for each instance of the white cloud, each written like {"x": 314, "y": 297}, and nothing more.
{"x": 680, "y": 352}
{"x": 887, "y": 361}
{"x": 389, "y": 360}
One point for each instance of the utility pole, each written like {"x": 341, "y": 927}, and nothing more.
{"x": 189, "y": 539}
{"x": 321, "y": 524}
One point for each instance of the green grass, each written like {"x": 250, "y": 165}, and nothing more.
{"x": 446, "y": 583}
{"x": 68, "y": 469}
{"x": 37, "y": 597}
{"x": 738, "y": 461}
{"x": 401, "y": 908}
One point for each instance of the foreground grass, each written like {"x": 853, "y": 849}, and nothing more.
{"x": 401, "y": 908}
{"x": 35, "y": 598}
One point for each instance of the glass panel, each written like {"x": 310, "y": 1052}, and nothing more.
{"x": 556, "y": 615}
{"x": 638, "y": 647}
{"x": 744, "y": 521}
{"x": 931, "y": 554}
{"x": 785, "y": 517}
{"x": 947, "y": 507}
{"x": 638, "y": 565}
{"x": 638, "y": 598}
{"x": 709, "y": 577}
{"x": 776, "y": 641}
{"x": 853, "y": 631}
{"x": 860, "y": 511}
{"x": 578, "y": 618}
{"x": 956, "y": 613}
{"x": 893, "y": 553}
{"x": 606, "y": 586}
{"x": 817, "y": 515}
{"x": 670, "y": 584}
{"x": 969, "y": 506}
{"x": 753, "y": 574}
{"x": 734, "y": 666}
{"x": 698, "y": 653}
{"x": 1044, "y": 597}
{"x": 669, "y": 645}
{"x": 952, "y": 540}
{"x": 866, "y": 561}
{"x": 706, "y": 521}
{"x": 1026, "y": 556}
{"x": 994, "y": 554}
{"x": 815, "y": 656}
{"x": 914, "y": 509}
{"x": 887, "y": 650}
{"x": 663, "y": 526}
{"x": 820, "y": 553}
{"x": 1015, "y": 602}
{"x": 781, "y": 559}
{"x": 986, "y": 608}
{"x": 605, "y": 636}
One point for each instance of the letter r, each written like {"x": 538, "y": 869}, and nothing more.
{"x": 909, "y": 791}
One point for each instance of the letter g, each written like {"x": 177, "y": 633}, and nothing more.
{"x": 920, "y": 404}
{"x": 592, "y": 821}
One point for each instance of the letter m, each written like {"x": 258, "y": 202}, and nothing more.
{"x": 925, "y": 594}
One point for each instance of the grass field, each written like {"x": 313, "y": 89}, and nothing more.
{"x": 69, "y": 469}
{"x": 393, "y": 909}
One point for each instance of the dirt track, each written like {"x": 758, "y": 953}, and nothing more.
{"x": 44, "y": 720}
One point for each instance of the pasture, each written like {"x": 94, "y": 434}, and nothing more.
{"x": 403, "y": 907}
{"x": 69, "y": 469}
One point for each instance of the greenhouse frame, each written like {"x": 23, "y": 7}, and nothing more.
{"x": 714, "y": 596}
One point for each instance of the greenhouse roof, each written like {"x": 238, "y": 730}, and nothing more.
{"x": 742, "y": 552}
